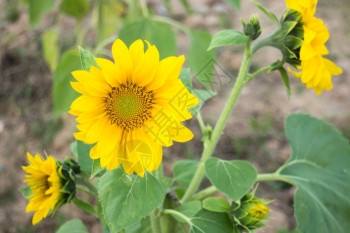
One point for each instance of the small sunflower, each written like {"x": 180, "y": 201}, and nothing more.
{"x": 45, "y": 184}
{"x": 316, "y": 71}
{"x": 132, "y": 107}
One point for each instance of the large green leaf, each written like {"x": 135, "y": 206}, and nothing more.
{"x": 37, "y": 9}
{"x": 320, "y": 167}
{"x": 63, "y": 93}
{"x": 82, "y": 152}
{"x": 228, "y": 37}
{"x": 73, "y": 226}
{"x": 208, "y": 222}
{"x": 233, "y": 178}
{"x": 184, "y": 171}
{"x": 199, "y": 59}
{"x": 126, "y": 199}
{"x": 159, "y": 34}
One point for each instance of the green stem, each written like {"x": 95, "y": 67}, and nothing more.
{"x": 179, "y": 215}
{"x": 220, "y": 125}
{"x": 205, "y": 193}
{"x": 154, "y": 217}
{"x": 274, "y": 177}
{"x": 144, "y": 8}
{"x": 83, "y": 180}
{"x": 256, "y": 73}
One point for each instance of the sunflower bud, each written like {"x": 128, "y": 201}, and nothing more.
{"x": 67, "y": 175}
{"x": 252, "y": 28}
{"x": 249, "y": 213}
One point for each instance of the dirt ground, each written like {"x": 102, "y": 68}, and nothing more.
{"x": 254, "y": 131}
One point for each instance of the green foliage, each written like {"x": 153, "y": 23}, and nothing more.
{"x": 63, "y": 94}
{"x": 73, "y": 226}
{"x": 285, "y": 80}
{"x": 235, "y": 3}
{"x": 37, "y": 9}
{"x": 189, "y": 209}
{"x": 77, "y": 8}
{"x": 26, "y": 192}
{"x": 319, "y": 166}
{"x": 186, "y": 78}
{"x": 184, "y": 171}
{"x": 208, "y": 222}
{"x": 159, "y": 34}
{"x": 228, "y": 37}
{"x": 199, "y": 59}
{"x": 233, "y": 178}
{"x": 216, "y": 204}
{"x": 144, "y": 226}
{"x": 87, "y": 59}
{"x": 127, "y": 199}
{"x": 268, "y": 13}
{"x": 82, "y": 152}
{"x": 85, "y": 206}
{"x": 51, "y": 49}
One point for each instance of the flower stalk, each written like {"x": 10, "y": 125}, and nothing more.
{"x": 220, "y": 125}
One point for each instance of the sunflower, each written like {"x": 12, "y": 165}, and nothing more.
{"x": 132, "y": 107}
{"x": 45, "y": 184}
{"x": 316, "y": 71}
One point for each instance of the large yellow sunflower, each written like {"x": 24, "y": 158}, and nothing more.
{"x": 132, "y": 107}
{"x": 45, "y": 184}
{"x": 316, "y": 71}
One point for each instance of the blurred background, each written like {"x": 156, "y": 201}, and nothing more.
{"x": 38, "y": 50}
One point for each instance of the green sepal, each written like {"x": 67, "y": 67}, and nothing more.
{"x": 26, "y": 192}
{"x": 268, "y": 13}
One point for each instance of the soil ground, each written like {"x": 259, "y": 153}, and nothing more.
{"x": 254, "y": 131}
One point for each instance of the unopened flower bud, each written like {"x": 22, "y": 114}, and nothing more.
{"x": 249, "y": 214}
{"x": 252, "y": 27}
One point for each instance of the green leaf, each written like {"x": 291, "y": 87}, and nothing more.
{"x": 96, "y": 168}
{"x": 83, "y": 156}
{"x": 51, "y": 49}
{"x": 285, "y": 80}
{"x": 203, "y": 96}
{"x": 189, "y": 209}
{"x": 159, "y": 34}
{"x": 184, "y": 171}
{"x": 216, "y": 204}
{"x": 26, "y": 192}
{"x": 268, "y": 13}
{"x": 235, "y": 3}
{"x": 77, "y": 8}
{"x": 84, "y": 206}
{"x": 127, "y": 199}
{"x": 73, "y": 226}
{"x": 208, "y": 222}
{"x": 320, "y": 167}
{"x": 233, "y": 178}
{"x": 199, "y": 59}
{"x": 186, "y": 78}
{"x": 63, "y": 93}
{"x": 37, "y": 9}
{"x": 228, "y": 37}
{"x": 144, "y": 226}
{"x": 87, "y": 59}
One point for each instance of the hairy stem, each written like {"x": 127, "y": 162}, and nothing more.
{"x": 210, "y": 144}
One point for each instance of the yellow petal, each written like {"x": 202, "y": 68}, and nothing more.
{"x": 122, "y": 58}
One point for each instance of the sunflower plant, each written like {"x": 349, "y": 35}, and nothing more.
{"x": 130, "y": 106}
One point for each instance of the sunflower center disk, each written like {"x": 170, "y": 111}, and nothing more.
{"x": 129, "y": 106}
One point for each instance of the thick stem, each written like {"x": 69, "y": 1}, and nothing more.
{"x": 178, "y": 215}
{"x": 205, "y": 193}
{"x": 155, "y": 223}
{"x": 220, "y": 125}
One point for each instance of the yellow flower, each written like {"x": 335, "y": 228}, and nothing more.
{"x": 316, "y": 71}
{"x": 45, "y": 185}
{"x": 132, "y": 107}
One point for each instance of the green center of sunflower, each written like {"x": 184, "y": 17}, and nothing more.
{"x": 129, "y": 105}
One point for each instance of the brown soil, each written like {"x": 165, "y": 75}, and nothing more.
{"x": 254, "y": 132}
